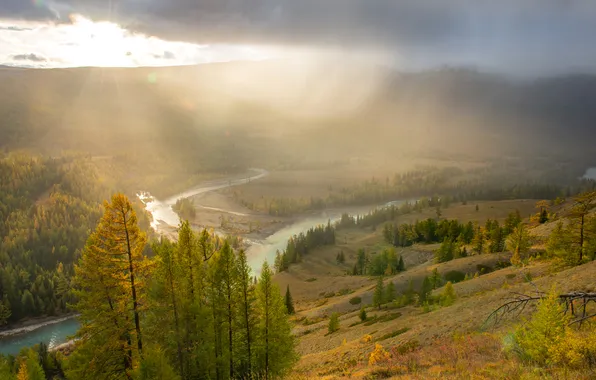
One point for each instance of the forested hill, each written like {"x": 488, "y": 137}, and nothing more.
{"x": 229, "y": 116}
{"x": 48, "y": 206}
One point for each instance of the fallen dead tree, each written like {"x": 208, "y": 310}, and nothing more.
{"x": 576, "y": 303}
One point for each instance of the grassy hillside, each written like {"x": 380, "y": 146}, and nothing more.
{"x": 432, "y": 341}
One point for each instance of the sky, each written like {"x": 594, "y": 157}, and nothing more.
{"x": 537, "y": 37}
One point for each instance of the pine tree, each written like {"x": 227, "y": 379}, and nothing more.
{"x": 289, "y": 302}
{"x": 275, "y": 355}
{"x": 379, "y": 294}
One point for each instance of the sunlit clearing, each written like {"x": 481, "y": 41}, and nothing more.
{"x": 84, "y": 42}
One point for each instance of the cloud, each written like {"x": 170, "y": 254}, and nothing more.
{"x": 29, "y": 57}
{"x": 82, "y": 42}
{"x": 25, "y": 9}
{"x": 554, "y": 34}
{"x": 531, "y": 36}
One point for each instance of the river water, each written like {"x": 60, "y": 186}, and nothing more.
{"x": 51, "y": 334}
{"x": 590, "y": 173}
{"x": 163, "y": 216}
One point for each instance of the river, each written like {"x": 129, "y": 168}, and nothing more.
{"x": 163, "y": 218}
{"x": 51, "y": 333}
{"x": 590, "y": 174}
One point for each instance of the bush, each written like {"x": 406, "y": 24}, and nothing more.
{"x": 394, "y": 333}
{"x": 539, "y": 340}
{"x": 484, "y": 269}
{"x": 355, "y": 300}
{"x": 362, "y": 315}
{"x": 454, "y": 276}
{"x": 448, "y": 296}
{"x": 312, "y": 279}
{"x": 333, "y": 323}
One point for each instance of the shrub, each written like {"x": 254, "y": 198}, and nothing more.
{"x": 362, "y": 315}
{"x": 454, "y": 276}
{"x": 394, "y": 333}
{"x": 355, "y": 300}
{"x": 379, "y": 355}
{"x": 333, "y": 323}
{"x": 365, "y": 339}
{"x": 448, "y": 296}
{"x": 538, "y": 340}
{"x": 484, "y": 269}
{"x": 406, "y": 347}
{"x": 312, "y": 279}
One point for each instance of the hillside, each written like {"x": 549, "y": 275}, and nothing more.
{"x": 433, "y": 341}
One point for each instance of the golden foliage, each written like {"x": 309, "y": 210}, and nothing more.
{"x": 379, "y": 355}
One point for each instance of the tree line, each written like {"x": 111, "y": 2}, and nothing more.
{"x": 301, "y": 244}
{"x": 453, "y": 184}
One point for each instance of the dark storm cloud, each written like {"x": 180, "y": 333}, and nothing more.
{"x": 26, "y": 9}
{"x": 512, "y": 33}
{"x": 32, "y": 57}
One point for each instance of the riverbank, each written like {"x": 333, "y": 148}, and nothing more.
{"x": 33, "y": 324}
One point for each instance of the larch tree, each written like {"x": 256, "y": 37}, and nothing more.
{"x": 111, "y": 278}
{"x": 518, "y": 242}
{"x": 247, "y": 316}
{"x": 276, "y": 350}
{"x": 379, "y": 293}
{"x": 165, "y": 296}
{"x": 226, "y": 268}
{"x": 582, "y": 206}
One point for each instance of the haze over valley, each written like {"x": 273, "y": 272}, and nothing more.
{"x": 340, "y": 189}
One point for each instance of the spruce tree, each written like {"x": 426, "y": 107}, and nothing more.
{"x": 289, "y": 302}
{"x": 401, "y": 266}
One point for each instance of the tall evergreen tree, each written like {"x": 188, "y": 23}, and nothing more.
{"x": 289, "y": 302}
